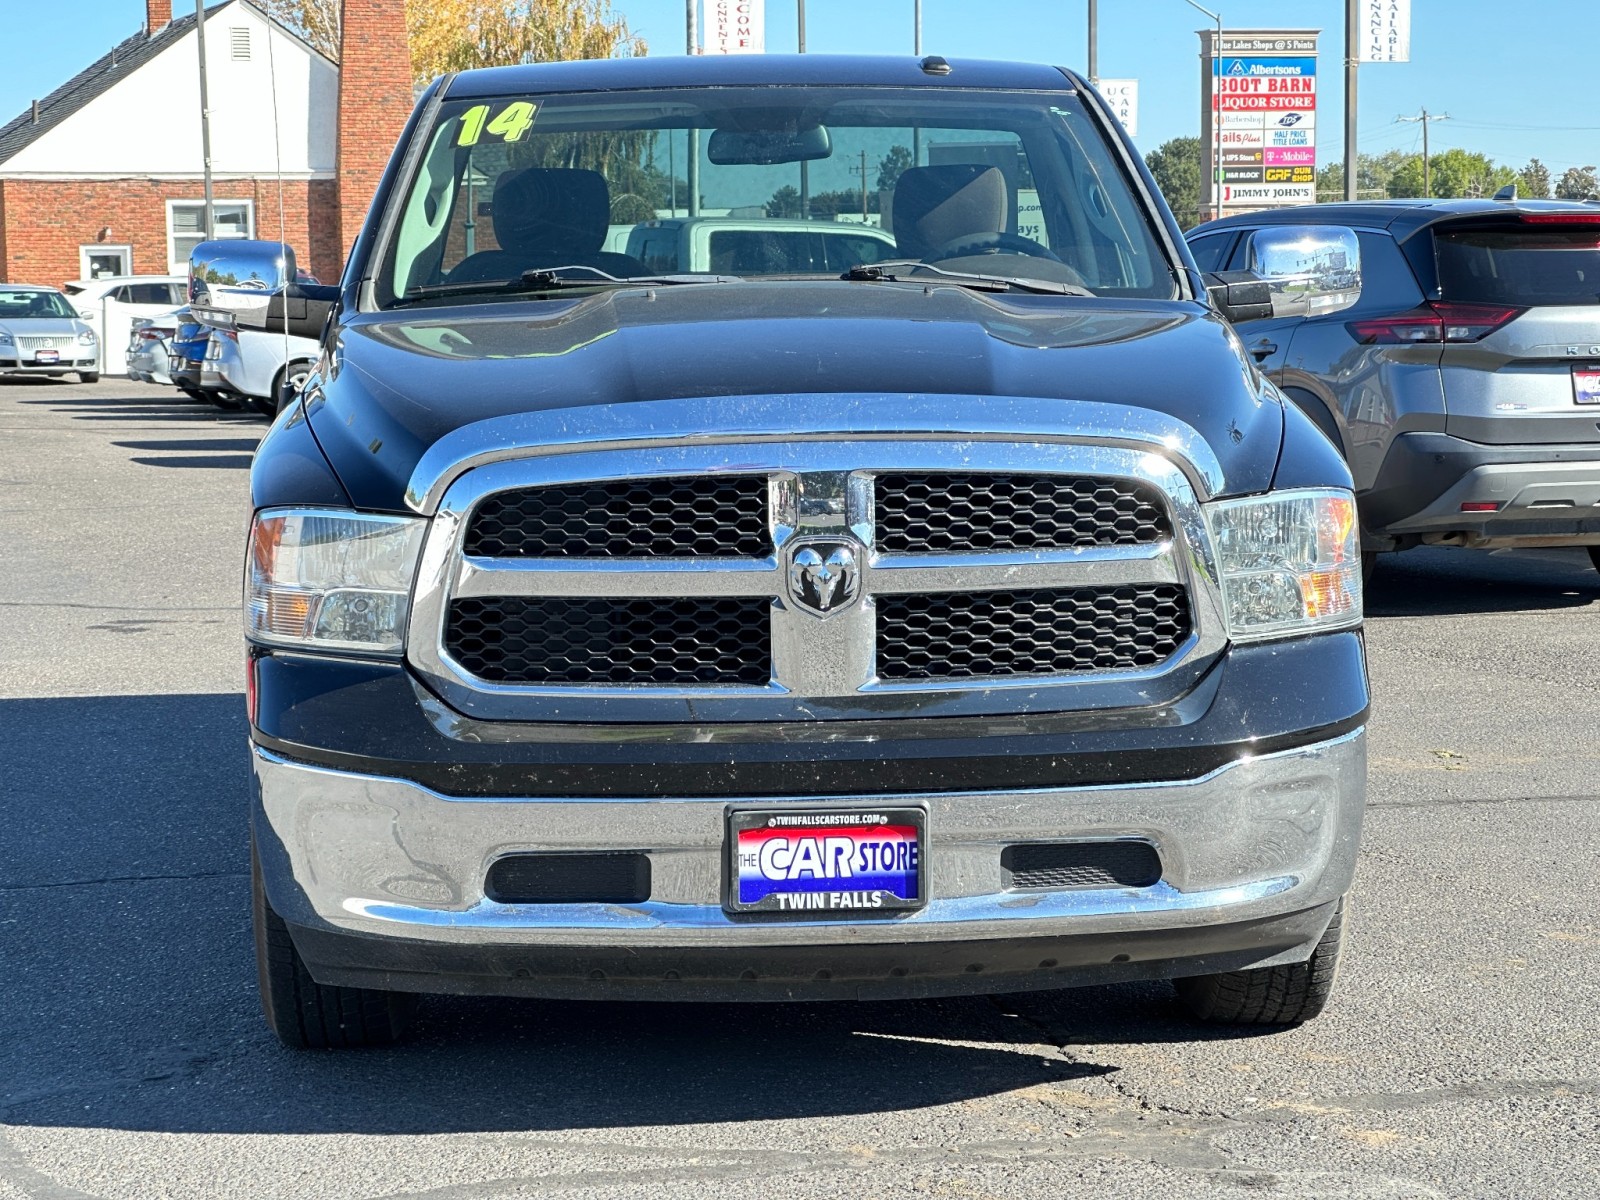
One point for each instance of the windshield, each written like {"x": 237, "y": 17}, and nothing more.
{"x": 23, "y": 304}
{"x": 770, "y": 182}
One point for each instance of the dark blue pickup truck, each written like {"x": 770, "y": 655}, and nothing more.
{"x": 974, "y": 619}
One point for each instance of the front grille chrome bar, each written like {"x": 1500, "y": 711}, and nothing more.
{"x": 822, "y": 665}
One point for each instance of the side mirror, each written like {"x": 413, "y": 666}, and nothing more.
{"x": 239, "y": 277}
{"x": 301, "y": 309}
{"x": 1311, "y": 270}
{"x": 1239, "y": 295}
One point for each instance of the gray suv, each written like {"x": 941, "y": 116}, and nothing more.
{"x": 1449, "y": 348}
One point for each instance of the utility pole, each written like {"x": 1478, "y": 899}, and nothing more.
{"x": 800, "y": 16}
{"x": 208, "y": 220}
{"x": 1427, "y": 166}
{"x": 692, "y": 15}
{"x": 805, "y": 167}
{"x": 1094, "y": 42}
{"x": 863, "y": 171}
{"x": 1352, "y": 66}
{"x": 916, "y": 48}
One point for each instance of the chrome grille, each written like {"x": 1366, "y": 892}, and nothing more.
{"x": 965, "y": 635}
{"x": 704, "y": 516}
{"x": 531, "y": 608}
{"x": 561, "y": 640}
{"x": 935, "y": 513}
{"x": 40, "y": 342}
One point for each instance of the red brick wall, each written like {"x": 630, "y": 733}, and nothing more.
{"x": 375, "y": 100}
{"x": 44, "y": 222}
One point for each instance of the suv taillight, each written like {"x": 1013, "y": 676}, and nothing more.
{"x": 1434, "y": 321}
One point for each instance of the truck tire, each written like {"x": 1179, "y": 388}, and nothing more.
{"x": 1284, "y": 995}
{"x": 305, "y": 1014}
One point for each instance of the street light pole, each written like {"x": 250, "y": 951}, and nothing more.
{"x": 208, "y": 220}
{"x": 1216, "y": 110}
{"x": 692, "y": 15}
{"x": 916, "y": 48}
{"x": 1094, "y": 42}
{"x": 1352, "y": 65}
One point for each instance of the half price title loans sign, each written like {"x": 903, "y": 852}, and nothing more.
{"x": 1262, "y": 92}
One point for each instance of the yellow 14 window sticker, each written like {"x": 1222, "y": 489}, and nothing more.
{"x": 508, "y": 125}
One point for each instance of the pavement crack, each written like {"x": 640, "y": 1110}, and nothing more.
{"x": 72, "y": 883}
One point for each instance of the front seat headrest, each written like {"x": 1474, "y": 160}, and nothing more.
{"x": 935, "y": 205}
{"x": 552, "y": 212}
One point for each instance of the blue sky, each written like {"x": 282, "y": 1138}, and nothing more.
{"x": 1518, "y": 80}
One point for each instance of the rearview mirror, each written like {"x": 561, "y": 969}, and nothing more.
{"x": 239, "y": 277}
{"x": 1312, "y": 270}
{"x": 768, "y": 147}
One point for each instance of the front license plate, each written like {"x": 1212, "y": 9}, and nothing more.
{"x": 1586, "y": 384}
{"x": 851, "y": 862}
{"x": 47, "y": 356}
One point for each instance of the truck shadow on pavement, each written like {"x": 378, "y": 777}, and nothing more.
{"x": 1443, "y": 581}
{"x": 147, "y": 406}
{"x": 130, "y": 1000}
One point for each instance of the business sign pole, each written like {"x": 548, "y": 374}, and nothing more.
{"x": 1260, "y": 112}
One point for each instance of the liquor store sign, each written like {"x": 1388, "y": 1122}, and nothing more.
{"x": 1259, "y": 97}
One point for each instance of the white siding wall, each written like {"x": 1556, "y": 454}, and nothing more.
{"x": 149, "y": 124}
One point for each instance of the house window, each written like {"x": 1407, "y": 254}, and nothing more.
{"x": 239, "y": 43}
{"x": 186, "y": 227}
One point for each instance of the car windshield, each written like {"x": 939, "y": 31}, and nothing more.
{"x": 767, "y": 183}
{"x": 27, "y": 304}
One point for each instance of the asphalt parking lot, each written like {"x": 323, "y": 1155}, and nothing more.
{"x": 1457, "y": 1061}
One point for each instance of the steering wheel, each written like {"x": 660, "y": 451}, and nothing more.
{"x": 990, "y": 243}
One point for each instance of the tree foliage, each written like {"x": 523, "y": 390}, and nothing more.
{"x": 891, "y": 166}
{"x": 1452, "y": 174}
{"x": 1534, "y": 180}
{"x": 1578, "y": 183}
{"x": 457, "y": 35}
{"x": 1176, "y": 167}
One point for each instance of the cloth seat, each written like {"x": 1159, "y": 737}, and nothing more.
{"x": 935, "y": 205}
{"x": 547, "y": 217}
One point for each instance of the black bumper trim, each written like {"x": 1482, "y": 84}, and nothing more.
{"x": 880, "y": 971}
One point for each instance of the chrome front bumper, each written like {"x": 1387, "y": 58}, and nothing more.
{"x": 366, "y": 860}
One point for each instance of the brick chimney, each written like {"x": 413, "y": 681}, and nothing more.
{"x": 157, "y": 15}
{"x": 375, "y": 100}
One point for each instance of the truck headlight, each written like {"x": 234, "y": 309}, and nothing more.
{"x": 331, "y": 580}
{"x": 1289, "y": 562}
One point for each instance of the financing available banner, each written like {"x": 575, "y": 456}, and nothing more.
{"x": 736, "y": 27}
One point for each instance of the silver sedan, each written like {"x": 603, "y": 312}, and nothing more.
{"x": 41, "y": 334}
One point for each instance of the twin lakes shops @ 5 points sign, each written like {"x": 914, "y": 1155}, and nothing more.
{"x": 1258, "y": 98}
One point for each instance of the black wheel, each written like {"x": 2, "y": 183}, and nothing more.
{"x": 223, "y": 400}
{"x": 265, "y": 407}
{"x": 88, "y": 376}
{"x": 1594, "y": 556}
{"x": 305, "y": 1014}
{"x": 1286, "y": 995}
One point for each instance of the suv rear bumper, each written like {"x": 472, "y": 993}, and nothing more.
{"x": 1546, "y": 495}
{"x": 381, "y": 881}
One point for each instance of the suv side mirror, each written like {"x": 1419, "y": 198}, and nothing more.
{"x": 1311, "y": 270}
{"x": 1239, "y": 295}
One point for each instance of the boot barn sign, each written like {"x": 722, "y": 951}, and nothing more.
{"x": 1262, "y": 90}
{"x": 736, "y": 27}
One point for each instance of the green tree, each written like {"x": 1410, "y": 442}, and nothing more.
{"x": 1176, "y": 167}
{"x": 1534, "y": 180}
{"x": 1454, "y": 173}
{"x": 785, "y": 202}
{"x": 1578, "y": 183}
{"x": 892, "y": 165}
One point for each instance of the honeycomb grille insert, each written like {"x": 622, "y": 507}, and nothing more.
{"x": 692, "y": 517}
{"x": 559, "y": 640}
{"x": 1063, "y": 866}
{"x": 963, "y": 635}
{"x": 942, "y": 514}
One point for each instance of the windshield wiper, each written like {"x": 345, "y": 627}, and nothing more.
{"x": 888, "y": 272}
{"x": 553, "y": 279}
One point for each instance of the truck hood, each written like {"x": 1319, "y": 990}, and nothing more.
{"x": 398, "y": 383}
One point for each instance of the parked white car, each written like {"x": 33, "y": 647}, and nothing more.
{"x": 150, "y": 348}
{"x": 41, "y": 335}
{"x": 254, "y": 362}
{"x": 110, "y": 305}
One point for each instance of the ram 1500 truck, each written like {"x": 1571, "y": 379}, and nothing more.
{"x": 975, "y": 620}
